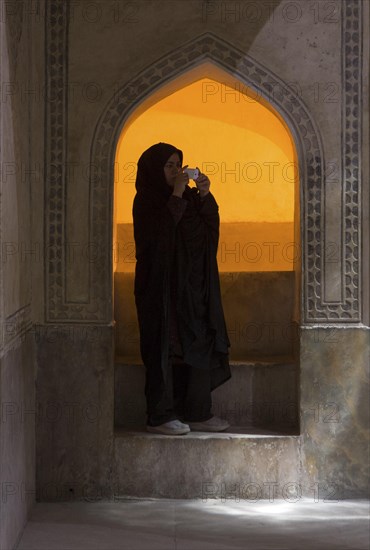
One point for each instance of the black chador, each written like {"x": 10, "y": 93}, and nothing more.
{"x": 177, "y": 288}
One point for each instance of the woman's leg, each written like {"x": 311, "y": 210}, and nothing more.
{"x": 159, "y": 398}
{"x": 197, "y": 403}
{"x": 180, "y": 384}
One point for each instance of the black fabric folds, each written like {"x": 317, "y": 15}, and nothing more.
{"x": 181, "y": 254}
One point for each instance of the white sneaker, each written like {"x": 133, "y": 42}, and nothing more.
{"x": 173, "y": 427}
{"x": 214, "y": 424}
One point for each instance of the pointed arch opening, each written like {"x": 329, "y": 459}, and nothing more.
{"x": 235, "y": 135}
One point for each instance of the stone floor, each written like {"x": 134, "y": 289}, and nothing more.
{"x": 164, "y": 524}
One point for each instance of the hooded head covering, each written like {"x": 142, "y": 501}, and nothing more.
{"x": 150, "y": 176}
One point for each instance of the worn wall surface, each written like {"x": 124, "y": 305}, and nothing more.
{"x": 335, "y": 411}
{"x": 21, "y": 135}
{"x": 101, "y": 69}
{"x": 105, "y": 61}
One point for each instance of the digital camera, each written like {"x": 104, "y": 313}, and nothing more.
{"x": 193, "y": 173}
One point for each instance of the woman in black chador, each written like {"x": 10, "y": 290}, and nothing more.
{"x": 183, "y": 337}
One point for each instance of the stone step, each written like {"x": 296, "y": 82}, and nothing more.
{"x": 241, "y": 463}
{"x": 260, "y": 393}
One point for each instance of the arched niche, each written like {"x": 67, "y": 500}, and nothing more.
{"x": 210, "y": 56}
{"x": 258, "y": 283}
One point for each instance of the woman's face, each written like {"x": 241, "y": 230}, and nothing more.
{"x": 172, "y": 168}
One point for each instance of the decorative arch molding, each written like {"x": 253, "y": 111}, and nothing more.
{"x": 282, "y": 97}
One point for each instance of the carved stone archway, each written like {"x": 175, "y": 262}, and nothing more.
{"x": 284, "y": 99}
{"x": 279, "y": 95}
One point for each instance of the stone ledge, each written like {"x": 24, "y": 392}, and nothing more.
{"x": 203, "y": 464}
{"x": 234, "y": 432}
{"x": 258, "y": 361}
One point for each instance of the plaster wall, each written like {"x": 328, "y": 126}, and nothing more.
{"x": 258, "y": 313}
{"x": 107, "y": 62}
{"x": 335, "y": 411}
{"x": 21, "y": 135}
{"x": 89, "y": 92}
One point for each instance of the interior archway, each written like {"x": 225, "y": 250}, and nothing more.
{"x": 246, "y": 150}
{"x": 261, "y": 239}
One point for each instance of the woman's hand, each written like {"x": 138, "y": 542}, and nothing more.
{"x": 181, "y": 181}
{"x": 203, "y": 184}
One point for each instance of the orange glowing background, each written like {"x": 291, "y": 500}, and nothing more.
{"x": 247, "y": 152}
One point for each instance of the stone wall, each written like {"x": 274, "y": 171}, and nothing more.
{"x": 21, "y": 117}
{"x": 103, "y": 69}
{"x": 258, "y": 309}
{"x": 335, "y": 412}
{"x": 105, "y": 62}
